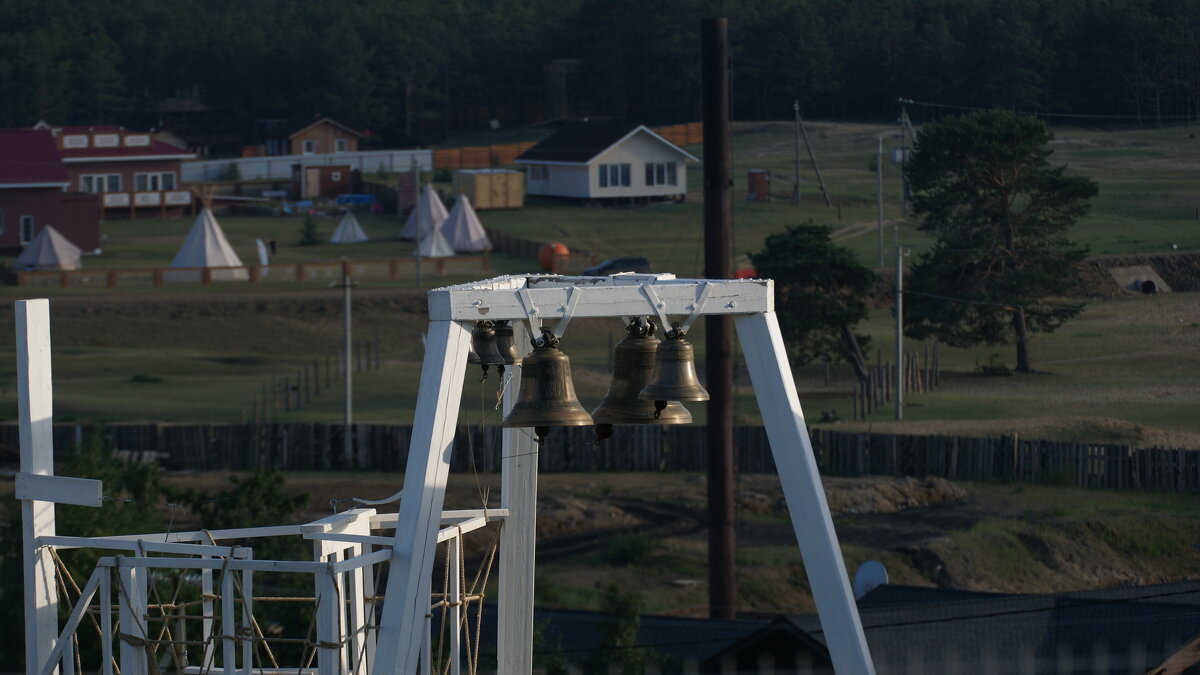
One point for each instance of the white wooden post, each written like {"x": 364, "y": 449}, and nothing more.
{"x": 454, "y": 616}
{"x": 407, "y": 598}
{"x": 779, "y": 404}
{"x": 207, "y": 607}
{"x": 35, "y": 414}
{"x": 355, "y": 602}
{"x": 331, "y": 659}
{"x": 131, "y": 604}
{"x": 247, "y": 614}
{"x": 228, "y": 647}
{"x": 518, "y": 479}
{"x": 106, "y": 621}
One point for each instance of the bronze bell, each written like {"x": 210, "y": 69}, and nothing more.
{"x": 483, "y": 346}
{"x": 547, "y": 396}
{"x": 505, "y": 344}
{"x": 674, "y": 376}
{"x": 633, "y": 363}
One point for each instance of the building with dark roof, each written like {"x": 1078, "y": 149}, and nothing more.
{"x": 34, "y": 184}
{"x": 307, "y": 135}
{"x": 606, "y": 160}
{"x": 130, "y": 172}
{"x": 933, "y": 631}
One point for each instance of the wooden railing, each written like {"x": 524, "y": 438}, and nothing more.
{"x": 391, "y": 270}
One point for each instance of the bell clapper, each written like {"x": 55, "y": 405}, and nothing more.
{"x": 603, "y": 431}
{"x": 541, "y": 432}
{"x": 659, "y": 406}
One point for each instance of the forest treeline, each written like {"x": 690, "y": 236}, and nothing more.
{"x": 423, "y": 65}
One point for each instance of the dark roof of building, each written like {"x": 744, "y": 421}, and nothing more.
{"x": 1137, "y": 627}
{"x": 297, "y": 124}
{"x": 889, "y": 595}
{"x": 30, "y": 156}
{"x": 579, "y": 142}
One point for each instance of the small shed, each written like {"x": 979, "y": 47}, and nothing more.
{"x": 491, "y": 188}
{"x": 314, "y": 182}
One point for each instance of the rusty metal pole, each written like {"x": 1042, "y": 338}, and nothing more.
{"x": 718, "y": 264}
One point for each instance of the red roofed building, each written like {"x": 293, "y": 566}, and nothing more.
{"x": 130, "y": 171}
{"x": 35, "y": 191}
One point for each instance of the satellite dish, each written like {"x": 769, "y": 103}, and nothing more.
{"x": 869, "y": 575}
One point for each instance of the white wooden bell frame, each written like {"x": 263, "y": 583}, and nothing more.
{"x": 400, "y": 641}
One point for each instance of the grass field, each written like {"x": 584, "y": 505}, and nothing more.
{"x": 1126, "y": 370}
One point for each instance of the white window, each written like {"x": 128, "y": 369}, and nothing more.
{"x": 537, "y": 172}
{"x": 339, "y": 145}
{"x": 154, "y": 182}
{"x": 100, "y": 182}
{"x": 615, "y": 175}
{"x": 26, "y": 229}
{"x": 310, "y": 147}
{"x": 661, "y": 173}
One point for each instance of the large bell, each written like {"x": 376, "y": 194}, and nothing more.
{"x": 674, "y": 376}
{"x": 484, "y": 347}
{"x": 505, "y": 344}
{"x": 547, "y": 396}
{"x": 633, "y": 364}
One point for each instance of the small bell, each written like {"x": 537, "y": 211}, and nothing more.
{"x": 674, "y": 376}
{"x": 505, "y": 344}
{"x": 633, "y": 364}
{"x": 547, "y": 395}
{"x": 483, "y": 346}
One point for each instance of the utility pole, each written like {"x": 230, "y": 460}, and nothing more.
{"x": 879, "y": 197}
{"x": 718, "y": 264}
{"x": 417, "y": 213}
{"x": 813, "y": 158}
{"x": 899, "y": 328}
{"x": 904, "y": 124}
{"x": 796, "y": 154}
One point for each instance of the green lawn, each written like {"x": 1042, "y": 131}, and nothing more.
{"x": 1132, "y": 361}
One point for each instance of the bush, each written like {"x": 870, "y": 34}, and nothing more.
{"x": 628, "y": 548}
{"x": 309, "y": 234}
{"x": 443, "y": 175}
{"x": 230, "y": 172}
{"x": 994, "y": 367}
{"x": 145, "y": 379}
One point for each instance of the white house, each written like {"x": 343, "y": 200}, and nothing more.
{"x": 606, "y": 160}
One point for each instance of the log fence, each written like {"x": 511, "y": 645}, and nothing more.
{"x": 382, "y": 447}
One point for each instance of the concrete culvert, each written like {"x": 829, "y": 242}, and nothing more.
{"x": 1149, "y": 288}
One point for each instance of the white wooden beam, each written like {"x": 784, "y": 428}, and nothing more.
{"x": 600, "y": 297}
{"x": 518, "y": 539}
{"x": 35, "y": 415}
{"x": 407, "y": 598}
{"x": 59, "y": 489}
{"x": 771, "y": 376}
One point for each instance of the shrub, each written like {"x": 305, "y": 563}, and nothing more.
{"x": 309, "y": 234}
{"x": 145, "y": 379}
{"x": 628, "y": 548}
{"x": 994, "y": 367}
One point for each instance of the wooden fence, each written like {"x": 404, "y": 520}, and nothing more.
{"x": 299, "y": 447}
{"x": 919, "y": 374}
{"x": 394, "y": 269}
{"x": 488, "y": 156}
{"x": 503, "y": 242}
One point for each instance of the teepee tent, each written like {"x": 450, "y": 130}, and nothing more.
{"x": 427, "y": 214}
{"x": 49, "y": 250}
{"x": 206, "y": 246}
{"x": 463, "y": 229}
{"x": 348, "y": 231}
{"x": 434, "y": 245}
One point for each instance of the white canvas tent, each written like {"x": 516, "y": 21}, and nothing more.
{"x": 463, "y": 229}
{"x": 348, "y": 231}
{"x": 48, "y": 251}
{"x": 206, "y": 246}
{"x": 427, "y": 214}
{"x": 434, "y": 245}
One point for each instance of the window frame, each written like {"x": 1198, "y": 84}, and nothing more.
{"x": 341, "y": 145}
{"x": 155, "y": 181}
{"x": 26, "y": 221}
{"x": 308, "y": 147}
{"x": 100, "y": 180}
